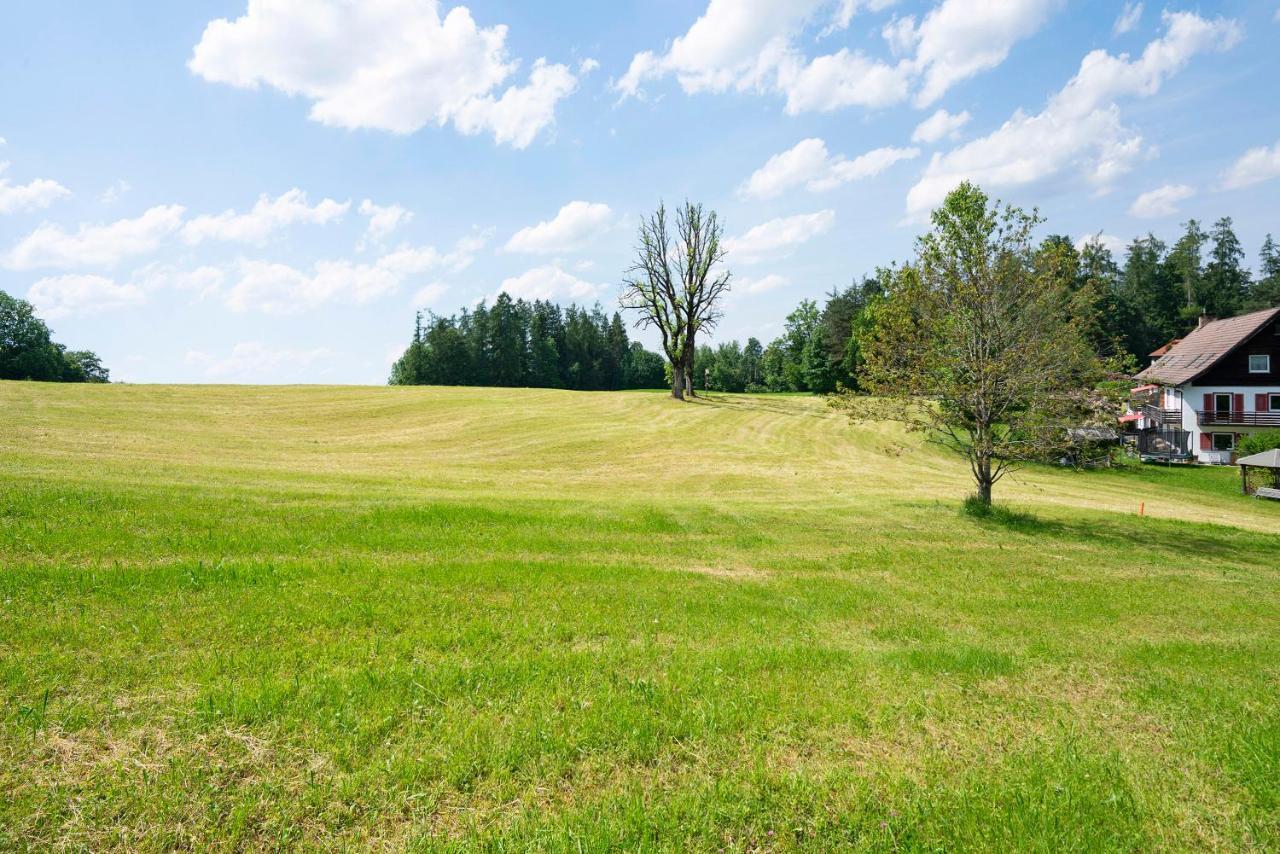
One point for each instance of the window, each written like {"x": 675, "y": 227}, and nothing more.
{"x": 1222, "y": 406}
{"x": 1224, "y": 441}
{"x": 1275, "y": 403}
{"x": 1260, "y": 364}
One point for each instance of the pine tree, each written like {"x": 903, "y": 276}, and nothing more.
{"x": 1225, "y": 283}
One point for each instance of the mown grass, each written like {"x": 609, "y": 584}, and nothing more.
{"x": 464, "y": 618}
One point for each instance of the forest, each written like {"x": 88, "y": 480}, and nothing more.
{"x": 532, "y": 344}
{"x": 1134, "y": 304}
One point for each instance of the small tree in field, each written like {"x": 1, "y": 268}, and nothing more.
{"x": 976, "y": 346}
{"x": 675, "y": 285}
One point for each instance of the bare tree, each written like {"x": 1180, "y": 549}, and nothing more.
{"x": 675, "y": 285}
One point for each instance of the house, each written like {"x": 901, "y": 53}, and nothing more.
{"x": 1207, "y": 390}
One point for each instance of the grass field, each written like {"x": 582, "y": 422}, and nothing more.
{"x": 405, "y": 617}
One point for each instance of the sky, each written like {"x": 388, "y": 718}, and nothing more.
{"x": 267, "y": 190}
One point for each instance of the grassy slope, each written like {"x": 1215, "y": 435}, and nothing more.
{"x": 253, "y": 616}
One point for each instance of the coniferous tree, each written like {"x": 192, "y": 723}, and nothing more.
{"x": 1265, "y": 293}
{"x": 1225, "y": 283}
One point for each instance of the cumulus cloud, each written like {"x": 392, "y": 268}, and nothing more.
{"x": 1254, "y": 166}
{"x": 938, "y": 125}
{"x": 393, "y": 65}
{"x": 267, "y": 217}
{"x": 750, "y": 46}
{"x": 1160, "y": 202}
{"x": 573, "y": 227}
{"x": 549, "y": 282}
{"x": 1080, "y": 127}
{"x": 255, "y": 360}
{"x": 95, "y": 245}
{"x": 962, "y": 38}
{"x": 383, "y": 219}
{"x": 429, "y": 295}
{"x": 34, "y": 195}
{"x": 761, "y": 284}
{"x": 1129, "y": 18}
{"x": 204, "y": 281}
{"x": 778, "y": 237}
{"x": 75, "y": 294}
{"x": 809, "y": 164}
{"x": 754, "y": 46}
{"x": 275, "y": 288}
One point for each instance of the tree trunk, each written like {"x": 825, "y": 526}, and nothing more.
{"x": 983, "y": 476}
{"x": 677, "y": 382}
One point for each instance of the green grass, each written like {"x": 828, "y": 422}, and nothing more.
{"x": 468, "y": 618}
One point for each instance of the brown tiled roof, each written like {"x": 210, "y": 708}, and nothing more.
{"x": 1201, "y": 349}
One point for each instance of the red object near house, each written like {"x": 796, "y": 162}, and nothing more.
{"x": 1208, "y": 402}
{"x": 1261, "y": 403}
{"x": 1206, "y": 442}
{"x": 1237, "y": 403}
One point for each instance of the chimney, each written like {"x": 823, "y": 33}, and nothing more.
{"x": 1205, "y": 320}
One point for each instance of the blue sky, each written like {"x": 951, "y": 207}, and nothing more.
{"x": 265, "y": 191}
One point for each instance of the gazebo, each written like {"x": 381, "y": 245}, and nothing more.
{"x": 1260, "y": 474}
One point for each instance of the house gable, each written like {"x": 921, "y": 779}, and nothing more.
{"x": 1233, "y": 368}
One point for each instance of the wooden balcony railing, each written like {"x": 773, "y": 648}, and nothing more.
{"x": 1162, "y": 416}
{"x": 1236, "y": 418}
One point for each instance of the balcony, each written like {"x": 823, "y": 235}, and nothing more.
{"x": 1160, "y": 416}
{"x": 1237, "y": 418}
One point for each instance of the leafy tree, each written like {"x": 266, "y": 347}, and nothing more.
{"x": 1185, "y": 267}
{"x": 974, "y": 346}
{"x": 28, "y": 351}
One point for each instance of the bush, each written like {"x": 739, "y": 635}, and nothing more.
{"x": 1259, "y": 442}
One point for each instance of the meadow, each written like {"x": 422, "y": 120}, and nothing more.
{"x": 429, "y": 618}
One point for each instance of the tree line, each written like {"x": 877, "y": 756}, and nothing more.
{"x": 28, "y": 351}
{"x": 535, "y": 344}
{"x": 1129, "y": 307}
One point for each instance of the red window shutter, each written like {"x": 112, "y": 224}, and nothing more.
{"x": 1208, "y": 402}
{"x": 1260, "y": 403}
{"x": 1237, "y": 403}
{"x": 1206, "y": 442}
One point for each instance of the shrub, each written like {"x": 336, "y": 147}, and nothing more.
{"x": 1259, "y": 442}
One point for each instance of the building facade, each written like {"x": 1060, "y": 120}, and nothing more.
{"x": 1208, "y": 390}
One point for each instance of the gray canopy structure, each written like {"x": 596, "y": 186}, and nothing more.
{"x": 1260, "y": 474}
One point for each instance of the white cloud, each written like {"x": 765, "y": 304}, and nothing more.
{"x": 115, "y": 192}
{"x": 1254, "y": 166}
{"x": 574, "y": 226}
{"x": 777, "y": 237}
{"x": 809, "y": 164}
{"x": 961, "y": 38}
{"x": 428, "y": 296}
{"x": 549, "y": 282}
{"x": 749, "y": 46}
{"x": 753, "y": 46}
{"x": 1129, "y": 18}
{"x": 34, "y": 195}
{"x": 267, "y": 217}
{"x": 1080, "y": 127}
{"x": 1116, "y": 245}
{"x": 255, "y": 361}
{"x": 760, "y": 285}
{"x": 61, "y": 296}
{"x": 1160, "y": 202}
{"x": 204, "y": 281}
{"x": 938, "y": 125}
{"x": 95, "y": 245}
{"x": 392, "y": 65}
{"x": 383, "y": 219}
{"x": 275, "y": 288}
